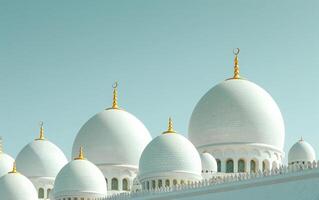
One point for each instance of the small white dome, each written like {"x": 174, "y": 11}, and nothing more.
{"x": 209, "y": 163}
{"x": 112, "y": 136}
{"x": 6, "y": 163}
{"x": 237, "y": 111}
{"x": 16, "y": 186}
{"x": 40, "y": 158}
{"x": 301, "y": 151}
{"x": 168, "y": 154}
{"x": 80, "y": 178}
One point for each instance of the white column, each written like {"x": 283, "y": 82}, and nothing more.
{"x": 260, "y": 165}
{"x": 223, "y": 165}
{"x": 120, "y": 183}
{"x": 235, "y": 165}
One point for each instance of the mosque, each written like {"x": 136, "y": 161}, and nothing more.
{"x": 234, "y": 150}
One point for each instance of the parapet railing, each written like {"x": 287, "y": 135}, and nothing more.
{"x": 217, "y": 180}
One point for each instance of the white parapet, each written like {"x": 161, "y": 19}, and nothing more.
{"x": 293, "y": 182}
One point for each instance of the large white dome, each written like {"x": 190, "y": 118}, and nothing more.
{"x": 237, "y": 111}
{"x": 79, "y": 178}
{"x": 112, "y": 136}
{"x": 167, "y": 154}
{"x": 301, "y": 151}
{"x": 40, "y": 158}
{"x": 14, "y": 186}
{"x": 6, "y": 163}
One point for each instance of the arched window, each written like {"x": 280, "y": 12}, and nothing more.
{"x": 219, "y": 165}
{"x": 160, "y": 183}
{"x": 253, "y": 166}
{"x": 182, "y": 182}
{"x": 241, "y": 165}
{"x": 125, "y": 184}
{"x": 147, "y": 185}
{"x": 167, "y": 183}
{"x": 230, "y": 166}
{"x": 115, "y": 184}
{"x": 48, "y": 193}
{"x": 174, "y": 182}
{"x": 41, "y": 193}
{"x": 153, "y": 184}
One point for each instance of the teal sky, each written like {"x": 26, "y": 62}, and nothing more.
{"x": 59, "y": 59}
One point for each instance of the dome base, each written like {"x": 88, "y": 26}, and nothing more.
{"x": 244, "y": 157}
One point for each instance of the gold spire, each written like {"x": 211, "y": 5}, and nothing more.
{"x": 236, "y": 66}
{"x": 81, "y": 155}
{"x": 1, "y": 150}
{"x": 114, "y": 105}
{"x": 14, "y": 168}
{"x": 170, "y": 128}
{"x": 41, "y": 137}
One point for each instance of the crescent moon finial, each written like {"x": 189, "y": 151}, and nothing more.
{"x": 114, "y": 104}
{"x": 236, "y": 51}
{"x": 115, "y": 85}
{"x": 1, "y": 150}
{"x": 236, "y": 66}
{"x": 41, "y": 137}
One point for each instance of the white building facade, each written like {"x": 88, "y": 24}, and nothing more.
{"x": 234, "y": 149}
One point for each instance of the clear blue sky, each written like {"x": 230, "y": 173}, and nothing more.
{"x": 59, "y": 59}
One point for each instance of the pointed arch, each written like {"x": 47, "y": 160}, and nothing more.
{"x": 229, "y": 166}
{"x": 115, "y": 184}
{"x": 41, "y": 193}
{"x": 125, "y": 184}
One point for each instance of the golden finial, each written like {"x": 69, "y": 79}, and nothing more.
{"x": 114, "y": 105}
{"x": 81, "y": 155}
{"x": 1, "y": 150}
{"x": 41, "y": 137}
{"x": 14, "y": 168}
{"x": 170, "y": 128}
{"x": 236, "y": 66}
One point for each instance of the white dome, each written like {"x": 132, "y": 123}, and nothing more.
{"x": 237, "y": 111}
{"x": 168, "y": 154}
{"x": 6, "y": 163}
{"x": 80, "y": 177}
{"x": 40, "y": 158}
{"x": 209, "y": 163}
{"x": 301, "y": 151}
{"x": 112, "y": 136}
{"x": 16, "y": 186}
